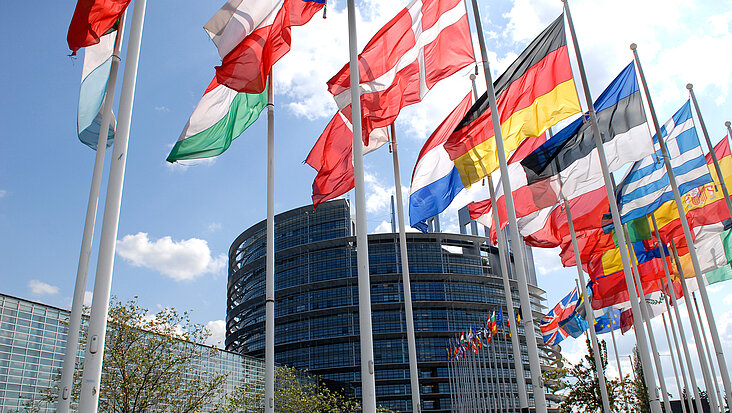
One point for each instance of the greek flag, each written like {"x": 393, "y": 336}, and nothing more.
{"x": 646, "y": 185}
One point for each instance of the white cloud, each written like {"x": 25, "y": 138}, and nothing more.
{"x": 162, "y": 108}
{"x": 41, "y": 288}
{"x": 179, "y": 260}
{"x": 378, "y": 196}
{"x": 217, "y": 328}
{"x": 3, "y": 193}
{"x": 214, "y": 226}
{"x": 383, "y": 227}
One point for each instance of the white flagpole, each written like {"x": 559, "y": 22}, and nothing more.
{"x": 72, "y": 338}
{"x": 408, "y": 312}
{"x": 711, "y": 148}
{"x": 640, "y": 332}
{"x": 647, "y": 320}
{"x": 269, "y": 328}
{"x": 617, "y": 360}
{"x": 680, "y": 359}
{"x": 518, "y": 252}
{"x": 589, "y": 312}
{"x": 368, "y": 382}
{"x": 729, "y": 130}
{"x": 708, "y": 353}
{"x": 94, "y": 353}
{"x": 687, "y": 355}
{"x": 697, "y": 336}
{"x": 689, "y": 239}
{"x": 673, "y": 359}
{"x": 502, "y": 258}
{"x": 513, "y": 328}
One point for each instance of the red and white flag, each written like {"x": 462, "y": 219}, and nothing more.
{"x": 426, "y": 42}
{"x": 252, "y": 36}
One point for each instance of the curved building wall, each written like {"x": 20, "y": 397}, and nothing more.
{"x": 455, "y": 286}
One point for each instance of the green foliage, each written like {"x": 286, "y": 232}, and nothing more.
{"x": 584, "y": 387}
{"x": 638, "y": 389}
{"x": 294, "y": 393}
{"x": 149, "y": 364}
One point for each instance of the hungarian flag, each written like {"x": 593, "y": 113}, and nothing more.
{"x": 534, "y": 93}
{"x": 93, "y": 19}
{"x": 252, "y": 36}
{"x": 219, "y": 118}
{"x": 424, "y": 43}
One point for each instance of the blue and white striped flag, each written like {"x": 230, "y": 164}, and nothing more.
{"x": 646, "y": 185}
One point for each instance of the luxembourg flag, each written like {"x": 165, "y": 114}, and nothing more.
{"x": 94, "y": 78}
{"x": 435, "y": 180}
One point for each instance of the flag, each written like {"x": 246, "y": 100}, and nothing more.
{"x": 332, "y": 158}
{"x": 251, "y": 36}
{"x": 571, "y": 156}
{"x": 435, "y": 181}
{"x": 424, "y": 43}
{"x": 219, "y": 118}
{"x": 534, "y": 93}
{"x": 550, "y": 327}
{"x": 494, "y": 323}
{"x": 646, "y": 185}
{"x": 94, "y": 79}
{"x": 712, "y": 244}
{"x": 608, "y": 321}
{"x": 93, "y": 19}
{"x": 703, "y": 205}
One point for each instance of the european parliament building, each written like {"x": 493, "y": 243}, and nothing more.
{"x": 456, "y": 284}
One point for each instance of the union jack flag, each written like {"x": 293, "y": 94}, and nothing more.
{"x": 550, "y": 327}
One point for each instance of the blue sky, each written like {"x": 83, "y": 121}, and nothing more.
{"x": 178, "y": 221}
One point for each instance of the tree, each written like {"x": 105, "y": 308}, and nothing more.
{"x": 638, "y": 387}
{"x": 584, "y": 394}
{"x": 294, "y": 393}
{"x": 149, "y": 363}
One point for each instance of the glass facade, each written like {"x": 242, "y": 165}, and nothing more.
{"x": 456, "y": 284}
{"x": 32, "y": 343}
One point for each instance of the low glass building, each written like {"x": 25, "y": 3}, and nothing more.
{"x": 32, "y": 343}
{"x": 456, "y": 285}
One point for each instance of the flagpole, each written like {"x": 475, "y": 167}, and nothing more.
{"x": 269, "y": 349}
{"x": 678, "y": 353}
{"x": 620, "y": 370}
{"x": 708, "y": 353}
{"x": 729, "y": 129}
{"x": 72, "y": 338}
{"x": 488, "y": 398}
{"x": 588, "y": 311}
{"x": 711, "y": 149}
{"x": 94, "y": 352}
{"x": 673, "y": 360}
{"x": 697, "y": 336}
{"x": 368, "y": 383}
{"x": 689, "y": 239}
{"x": 533, "y": 349}
{"x": 503, "y": 259}
{"x": 640, "y": 333}
{"x": 647, "y": 320}
{"x": 408, "y": 312}
{"x": 513, "y": 328}
{"x": 682, "y": 335}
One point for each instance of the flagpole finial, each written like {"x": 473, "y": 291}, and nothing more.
{"x": 727, "y": 124}
{"x": 689, "y": 86}
{"x": 633, "y": 46}
{"x": 472, "y": 76}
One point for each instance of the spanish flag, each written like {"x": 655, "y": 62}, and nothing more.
{"x": 534, "y": 93}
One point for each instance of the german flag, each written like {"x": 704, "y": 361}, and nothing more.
{"x": 534, "y": 93}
